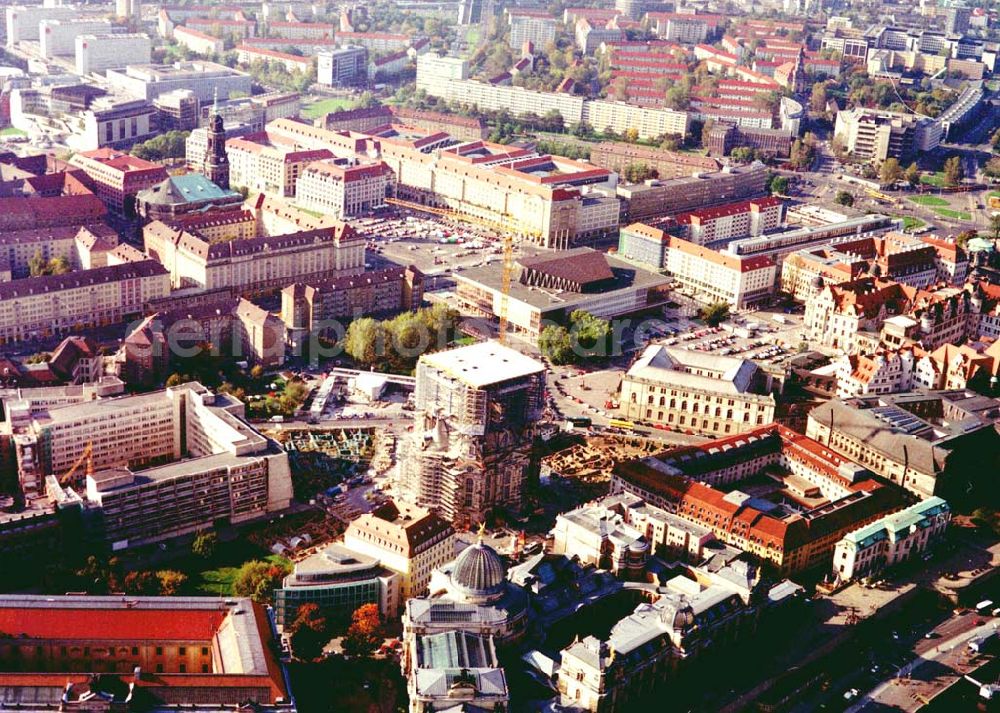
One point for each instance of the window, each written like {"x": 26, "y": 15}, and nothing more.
{"x": 135, "y": 650}
{"x": 159, "y": 651}
{"x": 159, "y": 668}
{"x": 182, "y": 651}
{"x": 183, "y": 668}
{"x": 204, "y": 651}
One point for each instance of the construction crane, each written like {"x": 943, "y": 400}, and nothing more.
{"x": 506, "y": 227}
{"x": 88, "y": 456}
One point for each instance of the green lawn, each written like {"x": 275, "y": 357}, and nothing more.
{"x": 929, "y": 201}
{"x": 911, "y": 223}
{"x": 993, "y": 194}
{"x": 934, "y": 179}
{"x": 953, "y": 214}
{"x": 219, "y": 581}
{"x": 12, "y": 131}
{"x": 325, "y": 106}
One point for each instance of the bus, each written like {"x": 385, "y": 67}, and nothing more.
{"x": 621, "y": 424}
{"x": 579, "y": 421}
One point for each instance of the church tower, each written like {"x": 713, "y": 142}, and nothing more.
{"x": 216, "y": 160}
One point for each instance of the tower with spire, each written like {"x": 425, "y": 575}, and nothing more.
{"x": 216, "y": 160}
{"x": 800, "y": 82}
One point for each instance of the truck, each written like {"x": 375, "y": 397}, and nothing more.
{"x": 979, "y": 644}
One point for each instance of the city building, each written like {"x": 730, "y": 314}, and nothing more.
{"x": 82, "y": 248}
{"x": 617, "y": 156}
{"x": 159, "y": 465}
{"x": 95, "y": 53}
{"x": 312, "y": 309}
{"x": 177, "y": 110}
{"x": 709, "y": 274}
{"x": 268, "y": 163}
{"x": 118, "y": 177}
{"x": 231, "y": 29}
{"x": 23, "y": 21}
{"x": 618, "y": 533}
{"x": 33, "y": 213}
{"x": 344, "y": 67}
{"x": 206, "y": 79}
{"x": 217, "y": 151}
{"x": 197, "y": 41}
{"x": 456, "y": 670}
{"x": 338, "y": 580}
{"x": 301, "y": 30}
{"x": 535, "y": 26}
{"x": 657, "y": 198}
{"x": 832, "y": 496}
{"x": 343, "y": 189}
{"x": 60, "y": 304}
{"x": 78, "y": 652}
{"x": 951, "y": 259}
{"x": 409, "y": 540}
{"x": 248, "y": 54}
{"x": 180, "y": 195}
{"x": 287, "y": 246}
{"x": 723, "y": 137}
{"x": 57, "y": 38}
{"x": 893, "y": 256}
{"x": 546, "y": 288}
{"x": 875, "y": 135}
{"x": 696, "y": 392}
{"x": 470, "y": 449}
{"x": 958, "y": 367}
{"x": 896, "y": 538}
{"x": 731, "y": 221}
{"x": 929, "y": 442}
{"x": 380, "y": 42}
{"x": 835, "y": 316}
{"x": 884, "y": 372}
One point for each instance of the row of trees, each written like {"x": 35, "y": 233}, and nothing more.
{"x": 394, "y": 345}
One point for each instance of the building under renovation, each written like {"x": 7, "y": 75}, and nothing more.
{"x": 470, "y": 449}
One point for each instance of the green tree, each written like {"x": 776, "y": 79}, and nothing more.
{"x": 844, "y": 198}
{"x": 912, "y": 174}
{"x": 555, "y": 345}
{"x": 953, "y": 171}
{"x": 591, "y": 334}
{"x": 995, "y": 226}
{"x": 205, "y": 544}
{"x": 818, "y": 98}
{"x": 963, "y": 238}
{"x": 992, "y": 167}
{"x": 637, "y": 172}
{"x": 258, "y": 580}
{"x": 171, "y": 582}
{"x": 715, "y": 313}
{"x": 309, "y": 632}
{"x": 365, "y": 341}
{"x": 779, "y": 185}
{"x": 890, "y": 172}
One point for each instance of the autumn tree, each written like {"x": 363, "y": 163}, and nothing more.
{"x": 992, "y": 167}
{"x": 205, "y": 544}
{"x": 912, "y": 174}
{"x": 171, "y": 582}
{"x": 309, "y": 632}
{"x": 258, "y": 580}
{"x": 365, "y": 631}
{"x": 143, "y": 583}
{"x": 818, "y": 98}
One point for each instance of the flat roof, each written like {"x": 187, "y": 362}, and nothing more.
{"x": 484, "y": 363}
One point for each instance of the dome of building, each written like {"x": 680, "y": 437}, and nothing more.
{"x": 479, "y": 571}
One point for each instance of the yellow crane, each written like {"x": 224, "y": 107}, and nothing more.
{"x": 88, "y": 456}
{"x": 507, "y": 228}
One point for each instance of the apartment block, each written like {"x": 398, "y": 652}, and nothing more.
{"x": 658, "y": 198}
{"x": 342, "y": 67}
{"x": 57, "y": 38}
{"x": 535, "y": 26}
{"x": 617, "y": 156}
{"x": 877, "y": 135}
{"x": 344, "y": 190}
{"x": 96, "y": 53}
{"x": 197, "y": 41}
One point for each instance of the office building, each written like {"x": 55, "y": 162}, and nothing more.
{"x": 709, "y": 274}
{"x": 658, "y": 198}
{"x": 535, "y": 26}
{"x": 344, "y": 189}
{"x": 470, "y": 449}
{"x": 23, "y": 21}
{"x": 723, "y": 137}
{"x": 78, "y": 652}
{"x": 57, "y": 38}
{"x": 696, "y": 392}
{"x": 159, "y": 465}
{"x": 96, "y": 53}
{"x": 206, "y": 79}
{"x": 897, "y": 538}
{"x": 617, "y": 156}
{"x": 409, "y": 540}
{"x": 832, "y": 496}
{"x": 338, "y": 580}
{"x": 929, "y": 442}
{"x": 344, "y": 67}
{"x": 118, "y": 177}
{"x": 873, "y": 135}
{"x": 547, "y": 288}
{"x": 116, "y": 123}
{"x": 956, "y": 19}
{"x": 177, "y": 110}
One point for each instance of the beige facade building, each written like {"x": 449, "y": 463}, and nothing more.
{"x": 268, "y": 164}
{"x": 696, "y": 392}
{"x": 344, "y": 190}
{"x": 409, "y": 540}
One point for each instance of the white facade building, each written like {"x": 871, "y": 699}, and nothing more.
{"x": 343, "y": 191}
{"x": 57, "y": 38}
{"x": 95, "y": 53}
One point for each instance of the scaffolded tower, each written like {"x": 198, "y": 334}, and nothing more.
{"x": 470, "y": 450}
